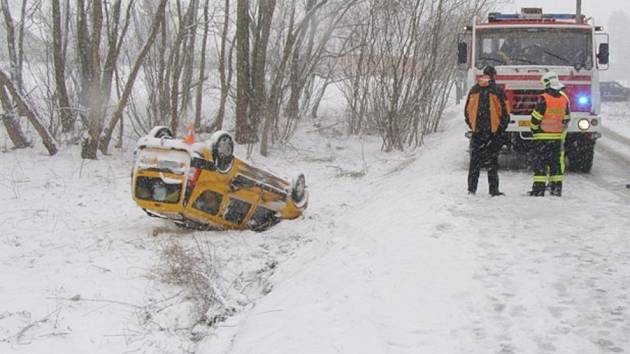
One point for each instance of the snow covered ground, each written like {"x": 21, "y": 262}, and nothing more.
{"x": 392, "y": 256}
{"x": 417, "y": 266}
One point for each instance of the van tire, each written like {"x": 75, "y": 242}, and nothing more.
{"x": 298, "y": 188}
{"x": 223, "y": 152}
{"x": 161, "y": 132}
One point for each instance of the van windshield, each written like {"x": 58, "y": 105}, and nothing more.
{"x": 156, "y": 189}
{"x": 534, "y": 46}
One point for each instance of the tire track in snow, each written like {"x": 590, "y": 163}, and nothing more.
{"x": 615, "y": 136}
{"x": 612, "y": 166}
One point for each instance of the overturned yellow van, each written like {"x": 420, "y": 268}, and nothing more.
{"x": 204, "y": 186}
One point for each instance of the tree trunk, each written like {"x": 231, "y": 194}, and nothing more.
{"x": 83, "y": 54}
{"x": 26, "y": 109}
{"x": 176, "y": 67}
{"x": 242, "y": 134}
{"x": 320, "y": 95}
{"x": 11, "y": 124}
{"x": 189, "y": 55}
{"x": 202, "y": 66}
{"x": 113, "y": 49}
{"x": 16, "y": 74}
{"x": 59, "y": 62}
{"x": 298, "y": 69}
{"x": 96, "y": 101}
{"x": 259, "y": 66}
{"x": 20, "y": 43}
{"x": 225, "y": 82}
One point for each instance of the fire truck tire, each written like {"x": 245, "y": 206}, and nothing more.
{"x": 581, "y": 156}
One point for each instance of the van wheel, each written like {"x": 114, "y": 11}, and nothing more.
{"x": 298, "y": 188}
{"x": 223, "y": 151}
{"x": 161, "y": 132}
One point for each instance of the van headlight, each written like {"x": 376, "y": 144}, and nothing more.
{"x": 584, "y": 124}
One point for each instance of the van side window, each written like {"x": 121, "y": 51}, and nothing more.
{"x": 262, "y": 218}
{"x": 209, "y": 202}
{"x": 236, "y": 211}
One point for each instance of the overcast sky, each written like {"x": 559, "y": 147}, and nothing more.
{"x": 600, "y": 10}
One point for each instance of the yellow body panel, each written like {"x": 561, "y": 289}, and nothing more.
{"x": 271, "y": 192}
{"x": 162, "y": 208}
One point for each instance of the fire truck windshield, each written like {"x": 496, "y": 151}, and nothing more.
{"x": 534, "y": 46}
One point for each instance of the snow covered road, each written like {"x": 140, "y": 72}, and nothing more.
{"x": 417, "y": 266}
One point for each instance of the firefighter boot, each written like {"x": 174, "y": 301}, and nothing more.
{"x": 556, "y": 189}
{"x": 538, "y": 189}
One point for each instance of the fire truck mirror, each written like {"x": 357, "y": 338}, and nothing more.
{"x": 603, "y": 54}
{"x": 462, "y": 53}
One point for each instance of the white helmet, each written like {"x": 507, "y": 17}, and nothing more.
{"x": 551, "y": 80}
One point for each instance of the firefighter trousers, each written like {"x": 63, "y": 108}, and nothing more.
{"x": 484, "y": 153}
{"x": 548, "y": 166}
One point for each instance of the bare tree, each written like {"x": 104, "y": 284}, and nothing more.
{"x": 158, "y": 20}
{"x": 401, "y": 75}
{"x": 105, "y": 21}
{"x": 202, "y": 65}
{"x": 168, "y": 70}
{"x": 294, "y": 32}
{"x": 180, "y": 62}
{"x": 15, "y": 51}
{"x": 12, "y": 44}
{"x": 243, "y": 133}
{"x": 262, "y": 31}
{"x": 24, "y": 108}
{"x": 189, "y": 55}
{"x": 308, "y": 58}
{"x": 20, "y": 38}
{"x": 224, "y": 68}
{"x": 63, "y": 99}
{"x": 11, "y": 122}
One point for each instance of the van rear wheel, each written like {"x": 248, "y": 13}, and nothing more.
{"x": 161, "y": 132}
{"x": 298, "y": 188}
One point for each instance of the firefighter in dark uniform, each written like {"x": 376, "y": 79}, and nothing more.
{"x": 549, "y": 122}
{"x": 487, "y": 115}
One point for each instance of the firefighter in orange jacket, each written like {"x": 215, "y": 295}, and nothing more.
{"x": 549, "y": 122}
{"x": 487, "y": 116}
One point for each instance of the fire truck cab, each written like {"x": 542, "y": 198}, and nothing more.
{"x": 522, "y": 47}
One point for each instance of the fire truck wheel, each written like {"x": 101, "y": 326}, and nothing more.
{"x": 581, "y": 156}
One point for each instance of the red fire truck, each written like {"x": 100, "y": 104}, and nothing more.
{"x": 524, "y": 46}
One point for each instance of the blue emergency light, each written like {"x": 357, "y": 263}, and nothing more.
{"x": 560, "y": 16}
{"x": 528, "y": 15}
{"x": 583, "y": 100}
{"x": 497, "y": 16}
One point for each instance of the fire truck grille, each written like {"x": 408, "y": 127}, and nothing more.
{"x": 523, "y": 101}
